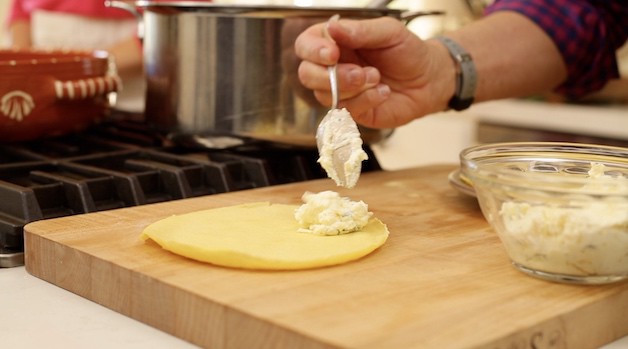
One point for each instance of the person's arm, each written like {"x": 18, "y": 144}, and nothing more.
{"x": 18, "y": 25}
{"x": 513, "y": 56}
{"x": 389, "y": 77}
{"x": 586, "y": 33}
{"x": 20, "y": 34}
{"x": 127, "y": 54}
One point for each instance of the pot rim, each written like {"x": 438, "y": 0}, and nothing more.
{"x": 244, "y": 9}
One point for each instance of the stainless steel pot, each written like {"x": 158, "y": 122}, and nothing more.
{"x": 216, "y": 69}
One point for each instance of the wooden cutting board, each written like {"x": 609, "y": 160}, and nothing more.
{"x": 442, "y": 280}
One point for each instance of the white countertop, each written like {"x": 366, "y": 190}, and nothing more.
{"x": 439, "y": 138}
{"x": 609, "y": 121}
{"x": 37, "y": 314}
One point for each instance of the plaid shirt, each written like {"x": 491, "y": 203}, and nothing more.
{"x": 587, "y": 33}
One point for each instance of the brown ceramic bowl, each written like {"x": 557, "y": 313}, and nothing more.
{"x": 49, "y": 93}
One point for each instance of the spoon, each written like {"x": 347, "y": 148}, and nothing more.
{"x": 338, "y": 139}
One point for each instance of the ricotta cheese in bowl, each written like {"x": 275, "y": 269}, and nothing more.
{"x": 560, "y": 209}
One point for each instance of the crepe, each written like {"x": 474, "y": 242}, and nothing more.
{"x": 260, "y": 235}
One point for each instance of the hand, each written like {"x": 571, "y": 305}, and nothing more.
{"x": 387, "y": 76}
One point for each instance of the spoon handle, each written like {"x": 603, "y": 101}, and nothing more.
{"x": 334, "y": 86}
{"x": 332, "y": 68}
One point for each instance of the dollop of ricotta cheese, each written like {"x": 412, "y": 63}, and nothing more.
{"x": 582, "y": 237}
{"x": 327, "y": 213}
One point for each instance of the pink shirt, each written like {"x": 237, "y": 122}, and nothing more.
{"x": 23, "y": 9}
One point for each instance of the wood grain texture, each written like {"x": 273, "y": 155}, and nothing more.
{"x": 442, "y": 280}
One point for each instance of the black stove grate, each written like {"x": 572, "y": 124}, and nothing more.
{"x": 124, "y": 164}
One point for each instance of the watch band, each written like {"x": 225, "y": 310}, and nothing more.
{"x": 466, "y": 75}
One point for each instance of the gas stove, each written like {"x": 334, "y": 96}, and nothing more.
{"x": 121, "y": 164}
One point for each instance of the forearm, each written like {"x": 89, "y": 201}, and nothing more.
{"x": 513, "y": 56}
{"x": 20, "y": 34}
{"x": 127, "y": 54}
{"x": 586, "y": 33}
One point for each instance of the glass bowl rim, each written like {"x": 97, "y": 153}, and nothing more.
{"x": 478, "y": 165}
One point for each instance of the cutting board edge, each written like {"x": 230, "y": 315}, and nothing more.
{"x": 153, "y": 293}
{"x": 89, "y": 270}
{"x": 226, "y": 320}
{"x": 565, "y": 328}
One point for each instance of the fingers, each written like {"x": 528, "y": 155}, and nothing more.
{"x": 312, "y": 45}
{"x": 365, "y": 44}
{"x": 315, "y": 46}
{"x": 362, "y": 105}
{"x": 352, "y": 80}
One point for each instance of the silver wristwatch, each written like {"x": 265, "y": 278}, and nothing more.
{"x": 466, "y": 75}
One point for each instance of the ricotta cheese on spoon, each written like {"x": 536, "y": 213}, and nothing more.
{"x": 341, "y": 152}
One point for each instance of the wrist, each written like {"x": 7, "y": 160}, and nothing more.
{"x": 443, "y": 77}
{"x": 465, "y": 74}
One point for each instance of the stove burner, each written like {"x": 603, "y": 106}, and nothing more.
{"x": 124, "y": 164}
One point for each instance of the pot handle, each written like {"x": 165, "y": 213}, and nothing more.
{"x": 124, "y": 5}
{"x": 408, "y": 16}
{"x": 86, "y": 88}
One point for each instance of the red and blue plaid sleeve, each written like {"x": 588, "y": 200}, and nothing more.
{"x": 587, "y": 33}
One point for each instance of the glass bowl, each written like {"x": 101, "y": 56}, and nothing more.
{"x": 560, "y": 209}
